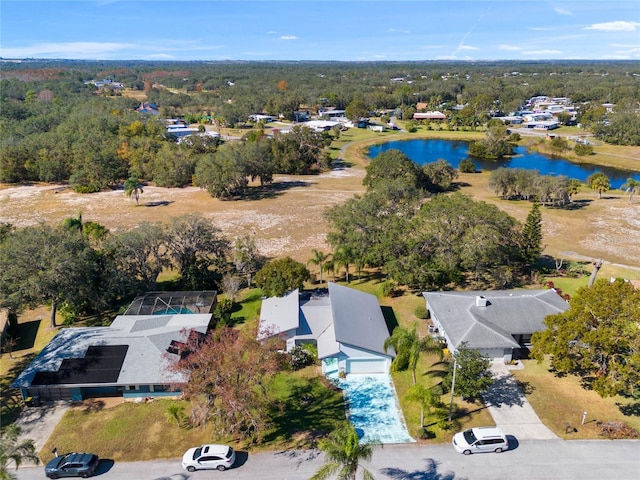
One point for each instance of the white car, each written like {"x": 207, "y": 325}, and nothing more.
{"x": 480, "y": 440}
{"x": 208, "y": 457}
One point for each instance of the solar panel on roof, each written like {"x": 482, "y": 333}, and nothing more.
{"x": 101, "y": 364}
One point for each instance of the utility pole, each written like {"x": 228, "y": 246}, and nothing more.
{"x": 453, "y": 385}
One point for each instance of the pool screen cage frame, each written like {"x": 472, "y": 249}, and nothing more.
{"x": 172, "y": 303}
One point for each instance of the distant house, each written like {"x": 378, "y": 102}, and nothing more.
{"x": 543, "y": 124}
{"x": 345, "y": 324}
{"x": 498, "y": 324}
{"x": 331, "y": 114}
{"x": 321, "y": 125}
{"x": 510, "y": 120}
{"x": 129, "y": 358}
{"x": 148, "y": 108}
{"x": 259, "y": 117}
{"x": 439, "y": 116}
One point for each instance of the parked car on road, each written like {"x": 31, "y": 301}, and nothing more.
{"x": 72, "y": 465}
{"x": 208, "y": 457}
{"x": 480, "y": 440}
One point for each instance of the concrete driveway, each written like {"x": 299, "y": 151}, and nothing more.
{"x": 37, "y": 423}
{"x": 510, "y": 409}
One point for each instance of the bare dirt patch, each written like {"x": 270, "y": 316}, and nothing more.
{"x": 290, "y": 221}
{"x": 606, "y": 228}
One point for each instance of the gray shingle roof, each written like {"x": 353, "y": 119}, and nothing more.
{"x": 507, "y": 313}
{"x": 342, "y": 316}
{"x": 147, "y": 336}
{"x": 358, "y": 319}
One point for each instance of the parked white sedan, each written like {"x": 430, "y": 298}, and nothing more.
{"x": 208, "y": 457}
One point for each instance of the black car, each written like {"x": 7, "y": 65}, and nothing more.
{"x": 72, "y": 465}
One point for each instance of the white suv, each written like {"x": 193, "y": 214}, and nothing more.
{"x": 208, "y": 457}
{"x": 480, "y": 440}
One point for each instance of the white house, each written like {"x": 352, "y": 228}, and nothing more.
{"x": 497, "y": 323}
{"x": 346, "y": 325}
{"x": 429, "y": 116}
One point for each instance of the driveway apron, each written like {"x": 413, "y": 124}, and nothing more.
{"x": 37, "y": 423}
{"x": 510, "y": 409}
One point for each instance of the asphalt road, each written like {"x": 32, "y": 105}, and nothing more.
{"x": 527, "y": 460}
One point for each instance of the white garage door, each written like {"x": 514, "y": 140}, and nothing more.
{"x": 366, "y": 366}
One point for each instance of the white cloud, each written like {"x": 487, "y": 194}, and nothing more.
{"x": 66, "y": 50}
{"x": 542, "y": 52}
{"x": 509, "y": 48}
{"x": 288, "y": 37}
{"x": 618, "y": 26}
{"x": 540, "y": 29}
{"x": 398, "y": 30}
{"x": 162, "y": 56}
{"x": 467, "y": 47}
{"x": 562, "y": 11}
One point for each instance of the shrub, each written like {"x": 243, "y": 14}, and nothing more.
{"x": 583, "y": 150}
{"x": 390, "y": 289}
{"x": 222, "y": 311}
{"x": 559, "y": 143}
{"x": 411, "y": 126}
{"x": 467, "y": 166}
{"x": 421, "y": 312}
{"x": 300, "y": 358}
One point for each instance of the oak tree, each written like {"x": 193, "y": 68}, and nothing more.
{"x": 597, "y": 338}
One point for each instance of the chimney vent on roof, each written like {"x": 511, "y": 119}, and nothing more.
{"x": 481, "y": 301}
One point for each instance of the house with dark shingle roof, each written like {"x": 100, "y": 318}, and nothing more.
{"x": 345, "y": 324}
{"x": 496, "y": 323}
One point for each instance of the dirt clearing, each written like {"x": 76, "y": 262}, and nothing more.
{"x": 290, "y": 221}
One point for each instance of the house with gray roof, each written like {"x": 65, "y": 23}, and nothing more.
{"x": 498, "y": 324}
{"x": 345, "y": 324}
{"x": 130, "y": 358}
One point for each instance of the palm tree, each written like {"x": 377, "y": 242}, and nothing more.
{"x": 632, "y": 186}
{"x": 343, "y": 454}
{"x": 16, "y": 450}
{"x": 319, "y": 258}
{"x": 343, "y": 257}
{"x": 133, "y": 188}
{"x": 429, "y": 400}
{"x": 573, "y": 187}
{"x": 174, "y": 413}
{"x": 408, "y": 347}
{"x": 599, "y": 182}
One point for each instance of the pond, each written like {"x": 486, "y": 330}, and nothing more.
{"x": 424, "y": 151}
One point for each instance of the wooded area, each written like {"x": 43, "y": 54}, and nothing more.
{"x": 58, "y": 127}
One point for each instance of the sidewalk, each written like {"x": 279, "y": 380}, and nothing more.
{"x": 510, "y": 409}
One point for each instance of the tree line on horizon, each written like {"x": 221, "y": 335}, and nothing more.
{"x": 56, "y": 128}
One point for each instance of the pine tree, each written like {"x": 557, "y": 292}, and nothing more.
{"x": 532, "y": 235}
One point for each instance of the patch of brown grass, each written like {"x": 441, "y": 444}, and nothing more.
{"x": 126, "y": 432}
{"x": 559, "y": 401}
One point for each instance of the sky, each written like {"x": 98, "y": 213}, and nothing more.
{"x": 327, "y": 30}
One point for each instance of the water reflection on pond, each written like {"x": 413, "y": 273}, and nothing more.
{"x": 424, "y": 151}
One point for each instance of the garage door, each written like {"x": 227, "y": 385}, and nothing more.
{"x": 366, "y": 366}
